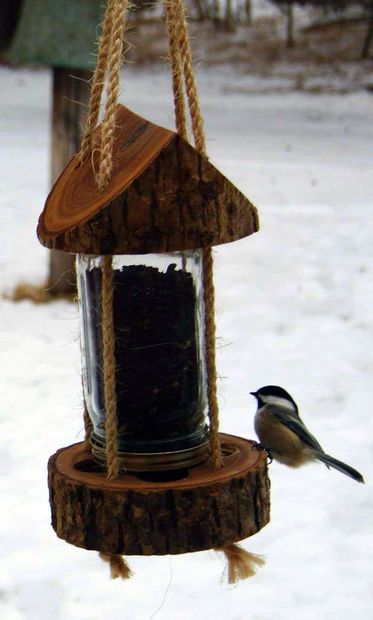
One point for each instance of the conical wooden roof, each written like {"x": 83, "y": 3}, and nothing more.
{"x": 163, "y": 196}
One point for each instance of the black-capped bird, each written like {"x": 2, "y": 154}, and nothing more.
{"x": 285, "y": 437}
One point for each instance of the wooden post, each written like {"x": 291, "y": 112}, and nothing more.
{"x": 248, "y": 12}
{"x": 69, "y": 109}
{"x": 216, "y": 14}
{"x": 229, "y": 20}
{"x": 201, "y": 10}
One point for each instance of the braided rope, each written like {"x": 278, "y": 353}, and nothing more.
{"x": 109, "y": 60}
{"x": 108, "y": 341}
{"x": 114, "y": 20}
{"x": 176, "y": 69}
{"x": 98, "y": 82}
{"x": 190, "y": 80}
{"x": 210, "y": 334}
{"x": 182, "y": 68}
{"x": 108, "y": 64}
{"x": 108, "y": 124}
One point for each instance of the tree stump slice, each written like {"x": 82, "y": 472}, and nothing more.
{"x": 205, "y": 509}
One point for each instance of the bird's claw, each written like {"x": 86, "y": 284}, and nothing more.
{"x": 259, "y": 446}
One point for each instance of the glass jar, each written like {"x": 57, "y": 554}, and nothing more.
{"x": 158, "y": 313}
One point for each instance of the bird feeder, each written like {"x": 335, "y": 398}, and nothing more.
{"x": 165, "y": 202}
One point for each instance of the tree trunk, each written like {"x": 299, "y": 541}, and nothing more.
{"x": 369, "y": 34}
{"x": 248, "y": 12}
{"x": 216, "y": 14}
{"x": 201, "y": 10}
{"x": 69, "y": 108}
{"x": 289, "y": 26}
{"x": 229, "y": 21}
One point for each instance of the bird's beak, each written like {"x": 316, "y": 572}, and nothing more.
{"x": 253, "y": 394}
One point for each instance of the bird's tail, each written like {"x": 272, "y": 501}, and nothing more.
{"x": 342, "y": 467}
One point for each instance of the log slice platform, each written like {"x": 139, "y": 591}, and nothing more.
{"x": 204, "y": 509}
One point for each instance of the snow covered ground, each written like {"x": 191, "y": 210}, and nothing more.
{"x": 294, "y": 307}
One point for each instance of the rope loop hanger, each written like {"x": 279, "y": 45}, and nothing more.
{"x": 101, "y": 137}
{"x": 183, "y": 77}
{"x": 107, "y": 73}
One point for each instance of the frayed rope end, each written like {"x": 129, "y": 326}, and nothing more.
{"x": 241, "y": 563}
{"x": 118, "y": 565}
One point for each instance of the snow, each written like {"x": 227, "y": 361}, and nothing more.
{"x": 293, "y": 308}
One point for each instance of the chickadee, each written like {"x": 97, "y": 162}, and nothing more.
{"x": 282, "y": 433}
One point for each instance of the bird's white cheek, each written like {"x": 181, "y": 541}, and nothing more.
{"x": 277, "y": 401}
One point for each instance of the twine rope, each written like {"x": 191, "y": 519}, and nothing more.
{"x": 210, "y": 332}
{"x": 189, "y": 78}
{"x": 117, "y": 10}
{"x": 106, "y": 74}
{"x": 109, "y": 62}
{"x": 182, "y": 68}
{"x": 176, "y": 68}
{"x": 118, "y": 566}
{"x": 108, "y": 342}
{"x": 98, "y": 82}
{"x": 241, "y": 564}
{"x": 114, "y": 64}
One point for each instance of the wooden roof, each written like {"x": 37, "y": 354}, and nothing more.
{"x": 163, "y": 196}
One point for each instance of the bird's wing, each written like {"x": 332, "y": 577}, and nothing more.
{"x": 293, "y": 421}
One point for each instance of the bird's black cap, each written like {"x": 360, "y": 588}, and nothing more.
{"x": 273, "y": 390}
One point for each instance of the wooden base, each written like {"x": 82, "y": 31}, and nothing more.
{"x": 204, "y": 509}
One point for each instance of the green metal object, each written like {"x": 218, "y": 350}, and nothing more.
{"x": 57, "y": 33}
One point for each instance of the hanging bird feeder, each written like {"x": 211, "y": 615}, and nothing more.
{"x": 154, "y": 475}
